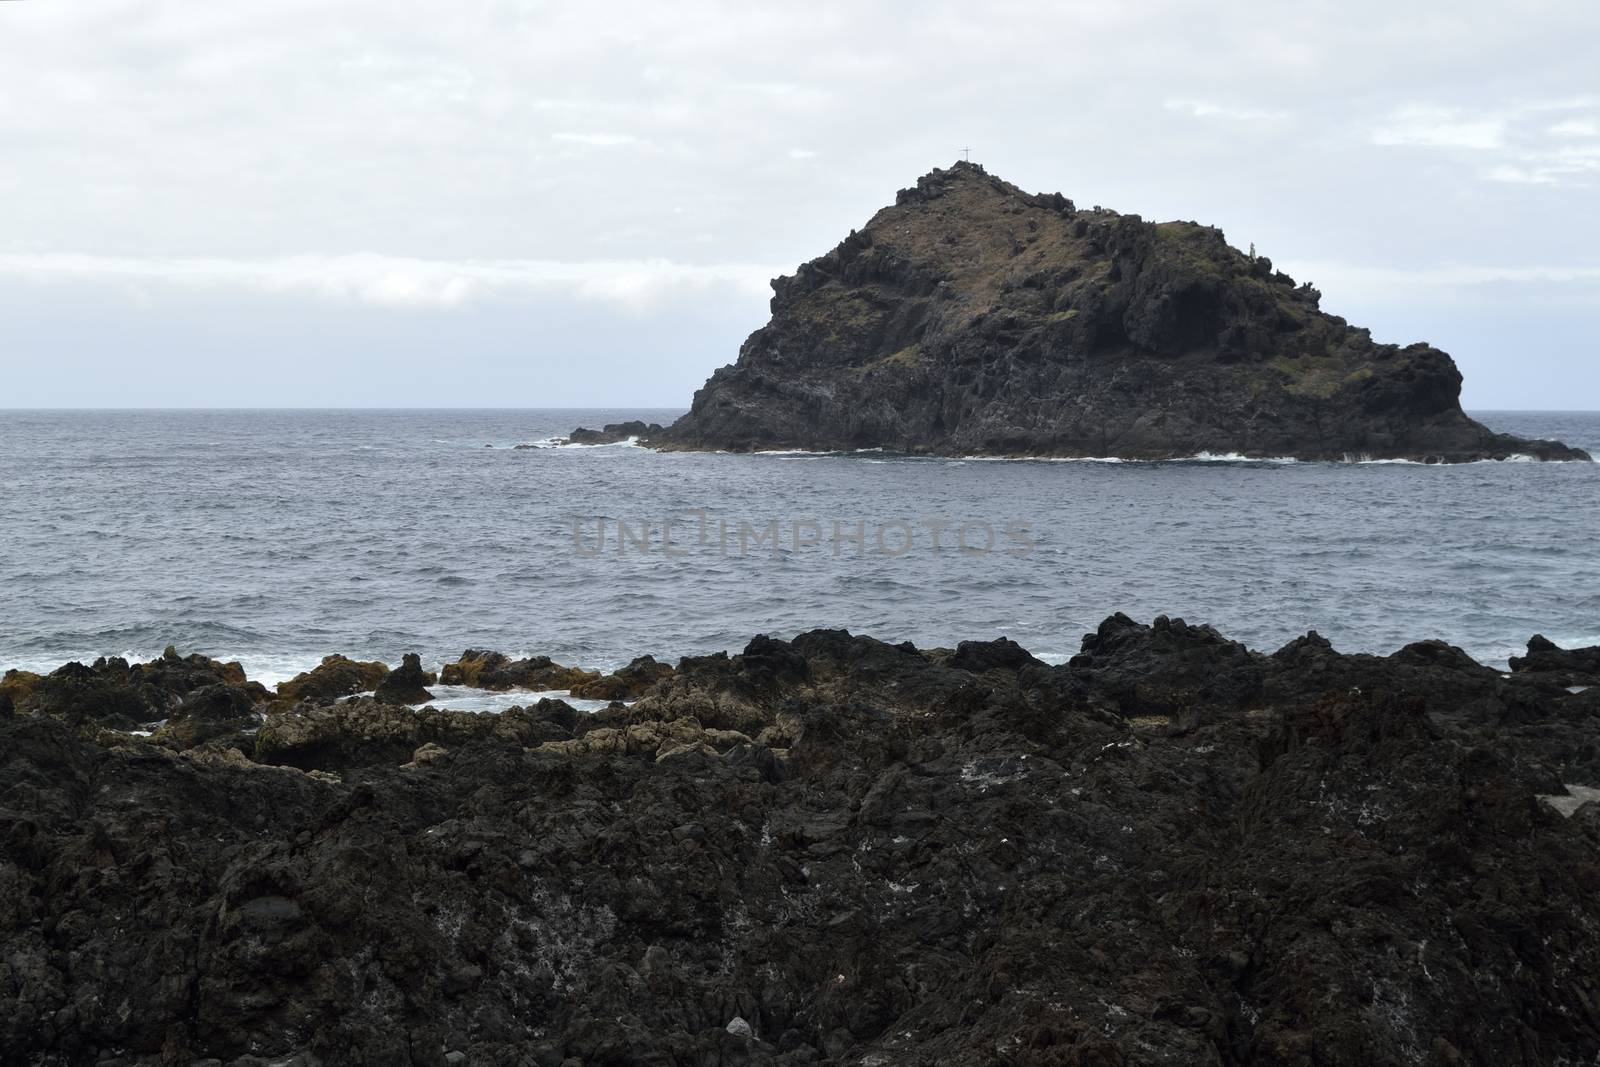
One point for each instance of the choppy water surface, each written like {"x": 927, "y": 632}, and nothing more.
{"x": 276, "y": 537}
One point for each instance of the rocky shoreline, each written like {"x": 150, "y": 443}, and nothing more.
{"x": 1172, "y": 849}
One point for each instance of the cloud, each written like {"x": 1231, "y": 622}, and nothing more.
{"x": 1517, "y": 143}
{"x": 1575, "y": 128}
{"x": 1515, "y": 175}
{"x": 1201, "y": 109}
{"x": 1550, "y": 166}
{"x": 357, "y": 152}
{"x": 596, "y": 140}
{"x": 1574, "y": 283}
{"x": 401, "y": 282}
{"x": 1437, "y": 127}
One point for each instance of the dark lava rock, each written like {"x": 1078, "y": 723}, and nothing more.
{"x": 1168, "y": 666}
{"x": 493, "y": 670}
{"x": 614, "y": 433}
{"x": 892, "y": 858}
{"x": 407, "y": 683}
{"x": 1575, "y": 666}
{"x": 362, "y": 732}
{"x": 974, "y": 318}
{"x": 117, "y": 695}
{"x": 1000, "y": 654}
{"x": 217, "y": 711}
{"x": 626, "y": 683}
{"x": 335, "y": 677}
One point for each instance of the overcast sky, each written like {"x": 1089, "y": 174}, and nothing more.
{"x": 387, "y": 203}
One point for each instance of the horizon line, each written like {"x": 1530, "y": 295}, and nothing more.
{"x": 563, "y": 407}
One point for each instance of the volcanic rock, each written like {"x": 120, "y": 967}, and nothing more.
{"x": 1575, "y": 666}
{"x": 495, "y": 671}
{"x": 1001, "y": 653}
{"x": 972, "y": 318}
{"x": 17, "y": 686}
{"x": 363, "y": 732}
{"x": 1331, "y": 860}
{"x": 336, "y": 676}
{"x": 1168, "y": 666}
{"x": 613, "y": 433}
{"x": 428, "y": 754}
{"x": 407, "y": 683}
{"x": 216, "y": 711}
{"x": 625, "y": 683}
{"x": 115, "y": 694}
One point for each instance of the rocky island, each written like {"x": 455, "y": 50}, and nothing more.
{"x": 972, "y": 318}
{"x": 832, "y": 850}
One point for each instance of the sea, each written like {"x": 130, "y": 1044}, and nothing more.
{"x": 278, "y": 537}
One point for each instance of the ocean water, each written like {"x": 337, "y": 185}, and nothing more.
{"x": 276, "y": 537}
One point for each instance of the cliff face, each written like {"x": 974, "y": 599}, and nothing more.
{"x": 974, "y": 318}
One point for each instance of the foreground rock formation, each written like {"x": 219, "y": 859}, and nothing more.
{"x": 1172, "y": 850}
{"x": 1575, "y": 666}
{"x": 972, "y": 318}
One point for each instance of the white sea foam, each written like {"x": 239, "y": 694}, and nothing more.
{"x": 791, "y": 452}
{"x": 1235, "y": 457}
{"x": 1364, "y": 460}
{"x": 563, "y": 442}
{"x": 1046, "y": 459}
{"x": 46, "y": 664}
{"x": 805, "y": 452}
{"x": 631, "y": 442}
{"x": 269, "y": 670}
{"x": 1200, "y": 457}
{"x": 266, "y": 669}
{"x": 1203, "y": 457}
{"x": 464, "y": 698}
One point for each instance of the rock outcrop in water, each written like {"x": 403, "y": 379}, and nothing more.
{"x": 1172, "y": 850}
{"x": 336, "y": 676}
{"x": 972, "y": 318}
{"x": 613, "y": 433}
{"x": 496, "y": 671}
{"x": 115, "y": 694}
{"x": 625, "y": 683}
{"x": 407, "y": 683}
